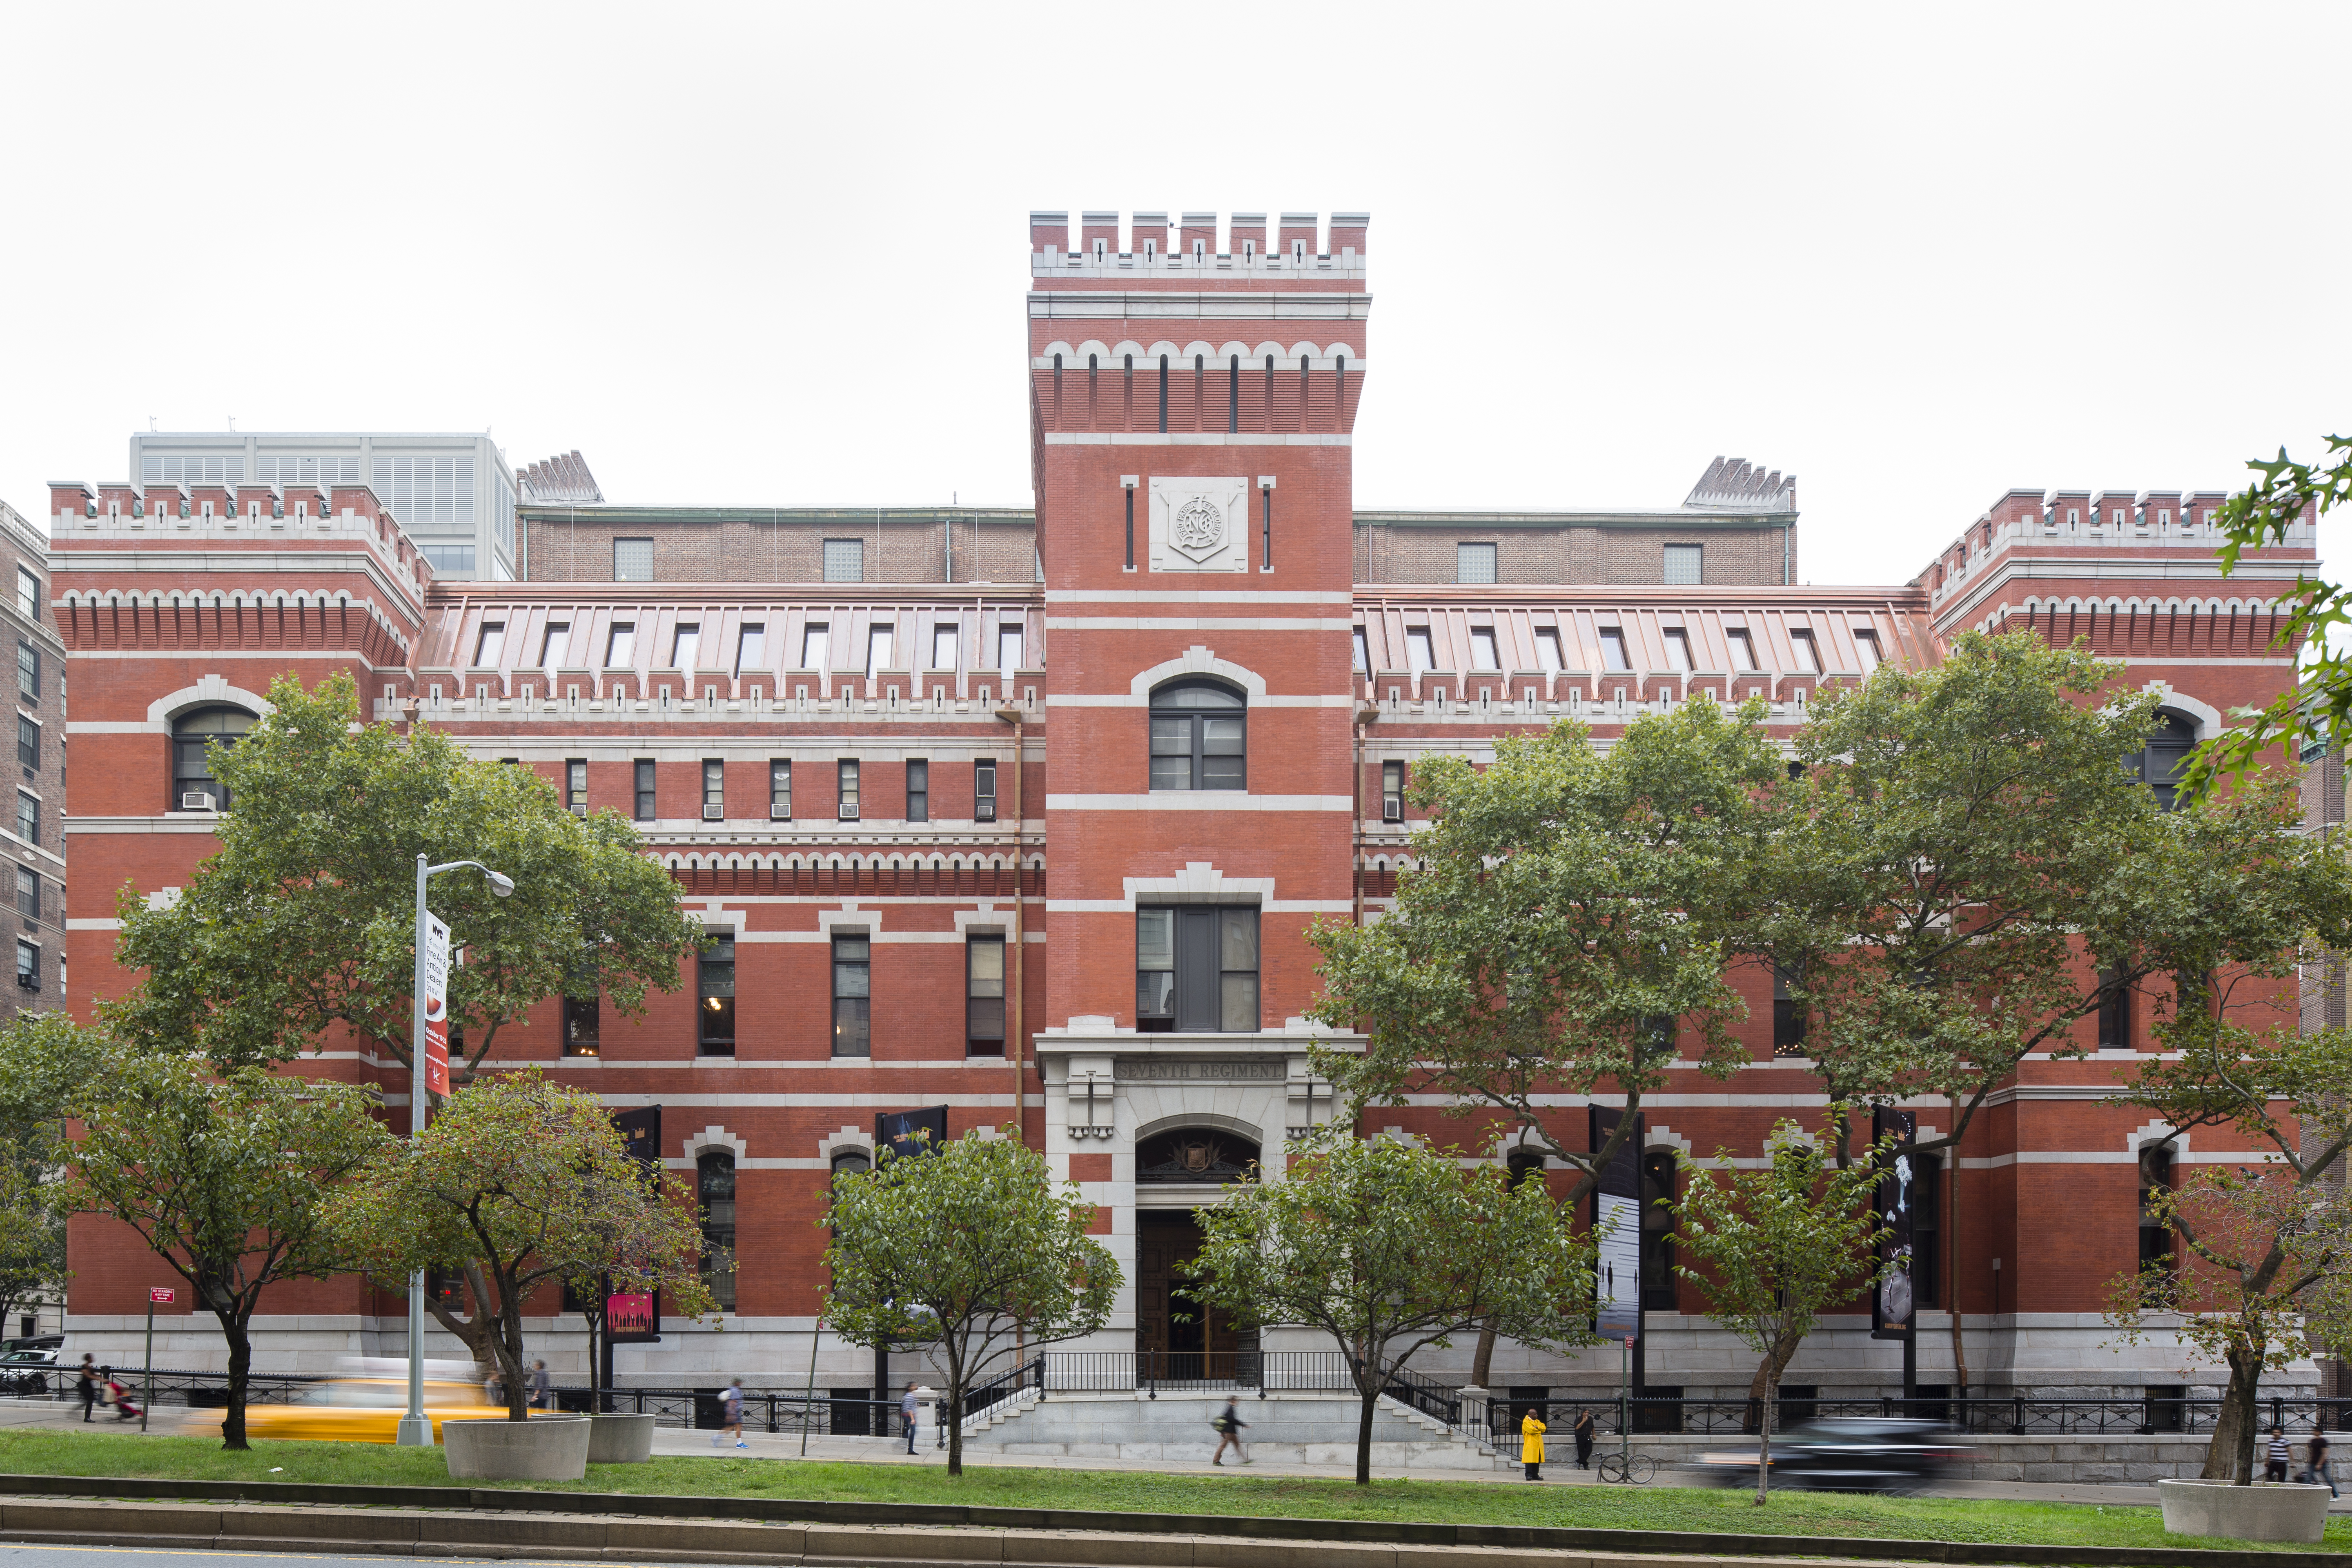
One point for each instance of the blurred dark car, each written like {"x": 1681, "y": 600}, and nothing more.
{"x": 1859, "y": 1453}
{"x": 25, "y": 1373}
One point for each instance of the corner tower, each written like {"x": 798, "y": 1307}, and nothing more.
{"x": 1192, "y": 407}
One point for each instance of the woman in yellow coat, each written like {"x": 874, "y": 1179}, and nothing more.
{"x": 1531, "y": 1431}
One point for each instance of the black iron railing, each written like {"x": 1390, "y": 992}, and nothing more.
{"x": 1153, "y": 1373}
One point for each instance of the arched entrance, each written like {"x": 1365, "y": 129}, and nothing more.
{"x": 1178, "y": 1338}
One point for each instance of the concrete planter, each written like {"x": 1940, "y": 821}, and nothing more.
{"x": 543, "y": 1448}
{"x": 2244, "y": 1513}
{"x": 620, "y": 1439}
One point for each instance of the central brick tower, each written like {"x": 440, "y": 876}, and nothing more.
{"x": 1191, "y": 407}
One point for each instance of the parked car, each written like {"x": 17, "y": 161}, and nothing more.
{"x": 24, "y": 1374}
{"x": 1860, "y": 1453}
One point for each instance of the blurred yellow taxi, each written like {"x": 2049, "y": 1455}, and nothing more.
{"x": 360, "y": 1410}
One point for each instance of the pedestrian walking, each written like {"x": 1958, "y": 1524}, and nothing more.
{"x": 2320, "y": 1474}
{"x": 730, "y": 1414}
{"x": 493, "y": 1388}
{"x": 1531, "y": 1452}
{"x": 909, "y": 1408}
{"x": 541, "y": 1385}
{"x": 1584, "y": 1440}
{"x": 86, "y": 1383}
{"x": 2277, "y": 1455}
{"x": 1230, "y": 1426}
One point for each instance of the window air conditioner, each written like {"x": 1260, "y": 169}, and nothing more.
{"x": 579, "y": 808}
{"x": 779, "y": 814}
{"x": 29, "y": 982}
{"x": 849, "y": 811}
{"x": 714, "y": 813}
{"x": 197, "y": 800}
{"x": 1392, "y": 811}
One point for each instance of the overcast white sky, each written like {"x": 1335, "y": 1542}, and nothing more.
{"x": 776, "y": 254}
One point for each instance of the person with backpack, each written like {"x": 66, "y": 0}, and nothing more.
{"x": 1229, "y": 1427}
{"x": 86, "y": 1382}
{"x": 730, "y": 1414}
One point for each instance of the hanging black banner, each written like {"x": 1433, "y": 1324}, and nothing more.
{"x": 633, "y": 1317}
{"x": 1617, "y": 1219}
{"x": 1891, "y": 1303}
{"x": 899, "y": 1132}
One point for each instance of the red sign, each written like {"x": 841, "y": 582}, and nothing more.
{"x": 159, "y": 1295}
{"x": 629, "y": 1313}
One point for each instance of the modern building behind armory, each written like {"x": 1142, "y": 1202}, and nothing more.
{"x": 35, "y": 830}
{"x": 1024, "y": 813}
{"x": 454, "y": 495}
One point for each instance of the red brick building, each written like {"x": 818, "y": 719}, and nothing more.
{"x": 1024, "y": 813}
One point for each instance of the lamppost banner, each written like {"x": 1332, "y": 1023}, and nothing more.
{"x": 437, "y": 1005}
{"x": 1617, "y": 1215}
{"x": 1891, "y": 1302}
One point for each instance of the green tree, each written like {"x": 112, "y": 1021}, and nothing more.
{"x": 521, "y": 1184}
{"x": 1391, "y": 1247}
{"x": 2269, "y": 1275}
{"x": 2319, "y": 709}
{"x": 1774, "y": 1246}
{"x": 304, "y": 919}
{"x": 44, "y": 1058}
{"x": 224, "y": 1177}
{"x": 971, "y": 1246}
{"x": 1571, "y": 909}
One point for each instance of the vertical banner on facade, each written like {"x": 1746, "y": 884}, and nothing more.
{"x": 1891, "y": 1303}
{"x": 898, "y": 1133}
{"x": 1617, "y": 1220}
{"x": 633, "y": 1316}
{"x": 437, "y": 1005}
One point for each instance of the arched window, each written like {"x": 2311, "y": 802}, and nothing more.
{"x": 1193, "y": 1154}
{"x": 715, "y": 1185}
{"x": 1659, "y": 1168}
{"x": 2168, "y": 744}
{"x": 193, "y": 788}
{"x": 1199, "y": 733}
{"x": 2154, "y": 1182}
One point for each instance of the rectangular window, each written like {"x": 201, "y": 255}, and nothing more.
{"x": 2114, "y": 1013}
{"x": 751, "y": 646}
{"x": 1392, "y": 792}
{"x": 490, "y": 646}
{"x": 780, "y": 790}
{"x": 644, "y": 801}
{"x": 28, "y": 595}
{"x": 1743, "y": 649}
{"x": 983, "y": 967}
{"x": 918, "y": 790}
{"x": 1008, "y": 651}
{"x": 584, "y": 1018}
{"x": 621, "y": 647}
{"x": 1866, "y": 647}
{"x": 28, "y": 966}
{"x": 1363, "y": 652}
{"x": 816, "y": 645}
{"x": 575, "y": 785}
{"x": 1418, "y": 653}
{"x": 714, "y": 790}
{"x": 714, "y": 992}
{"x": 28, "y": 892}
{"x": 943, "y": 646}
{"x": 1809, "y": 658}
{"x": 1482, "y": 648}
{"x": 848, "y": 794}
{"x": 554, "y": 646}
{"x": 1474, "y": 563}
{"x": 1613, "y": 649}
{"x": 28, "y": 672}
{"x": 1683, "y": 564}
{"x": 1548, "y": 649}
{"x": 28, "y": 817}
{"x": 853, "y": 996}
{"x": 633, "y": 560}
{"x": 1926, "y": 1230}
{"x": 1787, "y": 1015}
{"x": 686, "y": 647}
{"x": 1196, "y": 970}
{"x": 1678, "y": 652}
{"x": 28, "y": 742}
{"x": 845, "y": 561}
{"x": 983, "y": 790}
{"x": 880, "y": 644}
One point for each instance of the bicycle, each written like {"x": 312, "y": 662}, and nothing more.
{"x": 1628, "y": 1469}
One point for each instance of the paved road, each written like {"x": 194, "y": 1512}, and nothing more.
{"x": 186, "y": 1557}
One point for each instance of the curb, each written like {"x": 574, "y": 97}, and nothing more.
{"x": 499, "y": 1519}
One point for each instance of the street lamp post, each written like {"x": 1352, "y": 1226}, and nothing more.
{"x": 415, "y": 1429}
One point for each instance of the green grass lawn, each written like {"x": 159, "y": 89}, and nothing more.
{"x": 24, "y": 1452}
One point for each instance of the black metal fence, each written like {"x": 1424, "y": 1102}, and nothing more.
{"x": 1153, "y": 1373}
{"x": 2003, "y": 1415}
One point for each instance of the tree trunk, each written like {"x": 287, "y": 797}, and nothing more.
{"x": 952, "y": 1404}
{"x": 509, "y": 1348}
{"x": 1482, "y": 1364}
{"x": 1368, "y": 1386}
{"x": 2231, "y": 1456}
{"x": 240, "y": 1368}
{"x": 1771, "y": 1374}
{"x": 1768, "y": 1373}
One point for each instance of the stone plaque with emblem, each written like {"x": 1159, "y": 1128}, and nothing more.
{"x": 1199, "y": 525}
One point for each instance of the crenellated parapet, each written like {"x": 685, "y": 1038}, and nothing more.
{"x": 1301, "y": 247}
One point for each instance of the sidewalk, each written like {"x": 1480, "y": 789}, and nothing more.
{"x": 680, "y": 1443}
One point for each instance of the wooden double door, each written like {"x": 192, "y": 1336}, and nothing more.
{"x": 1181, "y": 1336}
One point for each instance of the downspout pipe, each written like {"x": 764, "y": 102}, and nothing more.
{"x": 1016, "y": 981}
